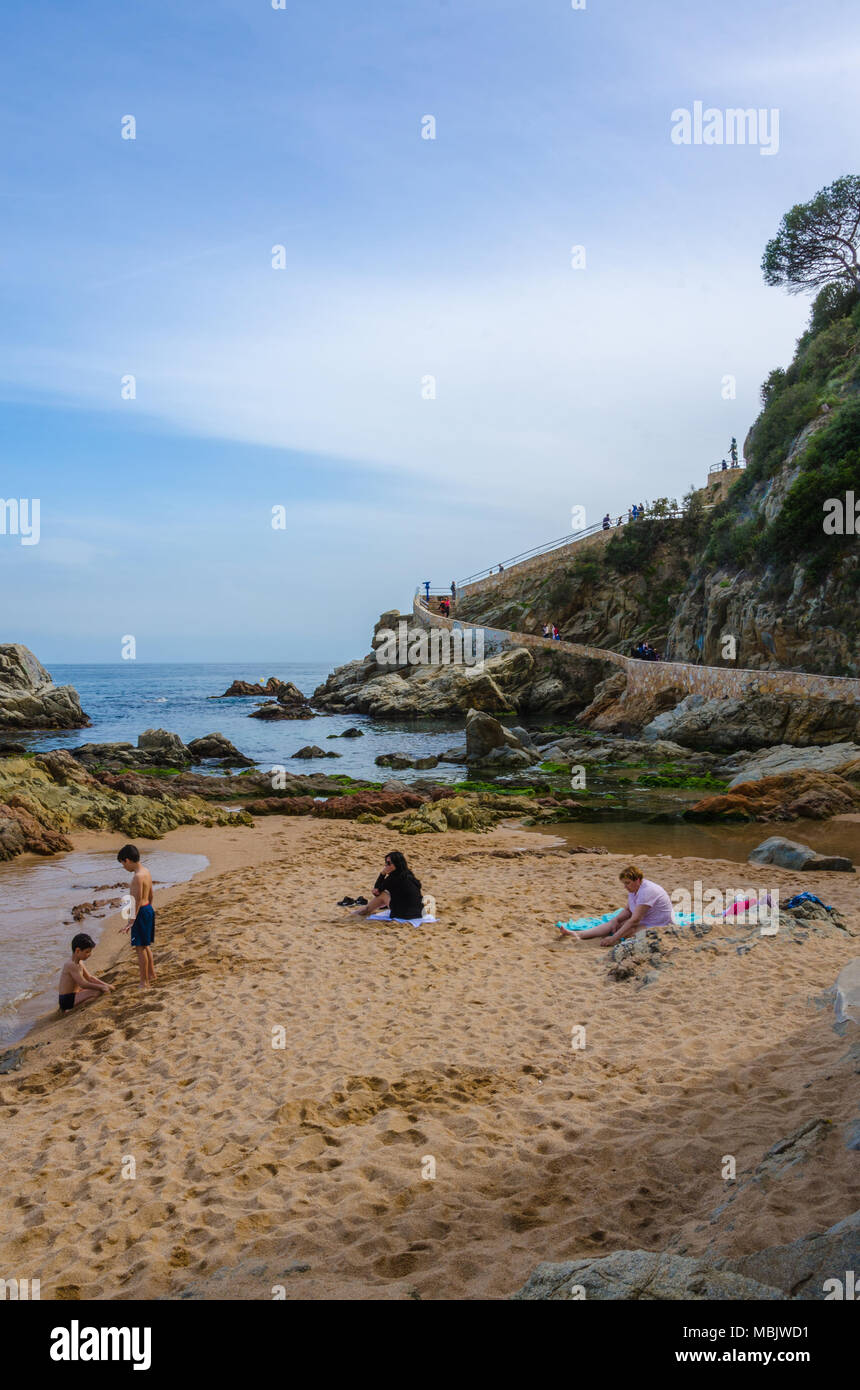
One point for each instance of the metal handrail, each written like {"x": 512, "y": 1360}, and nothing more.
{"x": 537, "y": 550}
{"x": 570, "y": 539}
{"x": 729, "y": 468}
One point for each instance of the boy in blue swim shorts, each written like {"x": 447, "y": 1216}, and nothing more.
{"x": 143, "y": 927}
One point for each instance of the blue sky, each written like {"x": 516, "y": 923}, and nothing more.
{"x": 404, "y": 258}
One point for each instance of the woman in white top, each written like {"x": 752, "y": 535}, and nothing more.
{"x": 648, "y": 905}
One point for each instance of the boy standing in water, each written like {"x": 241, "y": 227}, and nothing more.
{"x": 143, "y": 926}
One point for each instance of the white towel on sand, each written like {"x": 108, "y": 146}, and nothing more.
{"x": 407, "y": 921}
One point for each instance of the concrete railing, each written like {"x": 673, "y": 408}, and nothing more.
{"x": 649, "y": 677}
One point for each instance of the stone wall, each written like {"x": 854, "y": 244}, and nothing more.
{"x": 648, "y": 677}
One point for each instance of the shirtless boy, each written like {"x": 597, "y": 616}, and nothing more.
{"x": 143, "y": 927}
{"x": 77, "y": 985}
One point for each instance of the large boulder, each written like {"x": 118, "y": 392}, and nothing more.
{"x": 757, "y": 721}
{"x": 163, "y": 748}
{"x": 215, "y": 747}
{"x": 789, "y": 854}
{"x": 489, "y": 741}
{"x": 806, "y": 1268}
{"x": 788, "y": 796}
{"x": 313, "y": 750}
{"x": 841, "y": 758}
{"x": 28, "y": 697}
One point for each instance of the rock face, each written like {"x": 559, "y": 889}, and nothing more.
{"x": 28, "y": 697}
{"x": 841, "y": 758}
{"x": 789, "y": 796}
{"x": 789, "y": 854}
{"x": 757, "y": 721}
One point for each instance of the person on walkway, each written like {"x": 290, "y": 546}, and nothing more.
{"x": 501, "y": 569}
{"x": 453, "y": 592}
{"x": 556, "y": 635}
{"x": 606, "y": 522}
{"x": 546, "y": 631}
{"x": 633, "y": 513}
{"x": 723, "y": 466}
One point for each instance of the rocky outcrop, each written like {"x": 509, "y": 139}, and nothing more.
{"x": 790, "y": 854}
{"x": 757, "y": 721}
{"x": 217, "y": 748}
{"x": 160, "y": 748}
{"x": 400, "y": 761}
{"x": 28, "y": 697}
{"x": 790, "y": 796}
{"x": 841, "y": 758}
{"x": 641, "y": 1274}
{"x": 44, "y": 799}
{"x": 246, "y": 689}
{"x": 803, "y": 1270}
{"x": 312, "y": 750}
{"x": 515, "y": 679}
{"x": 490, "y": 744}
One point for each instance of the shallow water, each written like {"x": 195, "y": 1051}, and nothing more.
{"x": 36, "y": 924}
{"x": 732, "y": 842}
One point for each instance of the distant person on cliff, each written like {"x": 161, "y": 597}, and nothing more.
{"x": 453, "y": 592}
{"x": 396, "y": 888}
{"x": 556, "y": 635}
{"x": 546, "y": 631}
{"x": 607, "y": 522}
{"x": 733, "y": 452}
{"x": 501, "y": 569}
{"x": 648, "y": 905}
{"x": 723, "y": 466}
{"x": 77, "y": 985}
{"x": 143, "y": 927}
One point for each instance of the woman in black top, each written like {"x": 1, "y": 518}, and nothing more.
{"x": 396, "y": 888}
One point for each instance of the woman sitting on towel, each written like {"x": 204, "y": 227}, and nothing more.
{"x": 396, "y": 888}
{"x": 648, "y": 905}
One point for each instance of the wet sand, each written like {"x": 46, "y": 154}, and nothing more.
{"x": 427, "y": 1129}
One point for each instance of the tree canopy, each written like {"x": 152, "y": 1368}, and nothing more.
{"x": 817, "y": 241}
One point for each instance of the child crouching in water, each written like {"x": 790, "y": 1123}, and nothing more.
{"x": 77, "y": 985}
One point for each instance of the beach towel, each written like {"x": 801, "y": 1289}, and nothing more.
{"x": 680, "y": 919}
{"x": 405, "y": 921}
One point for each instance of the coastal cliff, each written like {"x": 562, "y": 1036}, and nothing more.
{"x": 759, "y": 566}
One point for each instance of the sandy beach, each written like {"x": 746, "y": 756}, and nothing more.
{"x": 408, "y": 1053}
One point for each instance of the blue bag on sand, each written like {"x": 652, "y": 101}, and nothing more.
{"x": 807, "y": 898}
